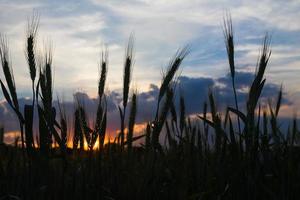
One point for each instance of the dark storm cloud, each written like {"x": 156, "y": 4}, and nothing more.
{"x": 195, "y": 91}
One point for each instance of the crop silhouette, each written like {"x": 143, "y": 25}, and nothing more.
{"x": 210, "y": 156}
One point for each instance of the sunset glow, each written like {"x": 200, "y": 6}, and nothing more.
{"x": 149, "y": 99}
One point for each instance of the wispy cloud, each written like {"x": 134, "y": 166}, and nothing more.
{"x": 79, "y": 29}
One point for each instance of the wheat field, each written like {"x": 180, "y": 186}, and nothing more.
{"x": 241, "y": 153}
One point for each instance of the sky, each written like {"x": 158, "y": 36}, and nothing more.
{"x": 79, "y": 30}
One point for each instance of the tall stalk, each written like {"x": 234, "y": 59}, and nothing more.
{"x": 131, "y": 121}
{"x": 100, "y": 126}
{"x": 10, "y": 94}
{"x": 32, "y": 28}
{"x": 229, "y": 42}
{"x": 126, "y": 85}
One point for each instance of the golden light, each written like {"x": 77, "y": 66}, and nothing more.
{"x": 11, "y": 137}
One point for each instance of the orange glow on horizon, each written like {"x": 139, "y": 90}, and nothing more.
{"x": 12, "y": 136}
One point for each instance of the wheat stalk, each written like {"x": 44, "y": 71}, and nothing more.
{"x": 126, "y": 84}
{"x": 131, "y": 121}
{"x": 229, "y": 42}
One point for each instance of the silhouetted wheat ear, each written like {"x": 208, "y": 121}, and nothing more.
{"x": 32, "y": 28}
{"x": 264, "y": 57}
{"x": 229, "y": 42}
{"x": 171, "y": 71}
{"x": 46, "y": 79}
{"x": 103, "y": 75}
{"x": 127, "y": 70}
{"x": 8, "y": 71}
{"x": 259, "y": 80}
{"x": 101, "y": 95}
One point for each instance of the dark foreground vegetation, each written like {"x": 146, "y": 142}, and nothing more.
{"x": 240, "y": 154}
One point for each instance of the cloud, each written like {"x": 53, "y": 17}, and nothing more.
{"x": 193, "y": 89}
{"x": 79, "y": 28}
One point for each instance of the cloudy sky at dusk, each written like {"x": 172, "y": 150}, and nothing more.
{"x": 79, "y": 29}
